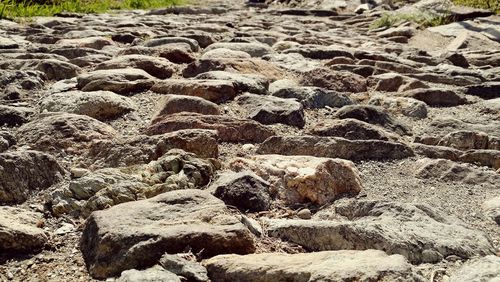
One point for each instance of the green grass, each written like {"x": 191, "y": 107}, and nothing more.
{"x": 492, "y": 5}
{"x": 425, "y": 20}
{"x": 13, "y": 9}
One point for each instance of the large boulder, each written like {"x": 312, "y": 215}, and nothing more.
{"x": 329, "y": 266}
{"x": 137, "y": 234}
{"x": 24, "y": 172}
{"x": 228, "y": 129}
{"x": 416, "y": 231}
{"x": 299, "y": 179}
{"x": 20, "y": 231}
{"x": 335, "y": 147}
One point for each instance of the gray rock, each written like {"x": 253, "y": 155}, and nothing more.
{"x": 313, "y": 97}
{"x": 192, "y": 271}
{"x": 351, "y": 129}
{"x": 155, "y": 273}
{"x": 465, "y": 140}
{"x": 126, "y": 81}
{"x": 492, "y": 209}
{"x": 155, "y": 42}
{"x": 244, "y": 190}
{"x": 487, "y": 90}
{"x": 157, "y": 67}
{"x": 224, "y": 53}
{"x": 253, "y": 49}
{"x": 436, "y": 97}
{"x": 319, "y": 52}
{"x": 270, "y": 109}
{"x": 20, "y": 232}
{"x": 217, "y": 91}
{"x": 407, "y": 106}
{"x": 369, "y": 265}
{"x": 171, "y": 104}
{"x": 137, "y": 234}
{"x": 25, "y": 172}
{"x": 405, "y": 31}
{"x": 15, "y": 116}
{"x": 413, "y": 231}
{"x": 244, "y": 82}
{"x": 341, "y": 81}
{"x": 478, "y": 270}
{"x": 100, "y": 105}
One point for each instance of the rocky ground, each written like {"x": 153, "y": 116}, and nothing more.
{"x": 232, "y": 142}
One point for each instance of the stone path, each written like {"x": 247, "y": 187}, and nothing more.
{"x": 247, "y": 143}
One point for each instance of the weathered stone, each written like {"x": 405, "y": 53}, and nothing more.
{"x": 244, "y": 190}
{"x": 88, "y": 42}
{"x": 100, "y": 105}
{"x": 369, "y": 265}
{"x": 479, "y": 269}
{"x": 243, "y": 82}
{"x": 228, "y": 129}
{"x": 15, "y": 116}
{"x": 217, "y": 91}
{"x": 171, "y": 104}
{"x": 488, "y": 90}
{"x": 398, "y": 31}
{"x": 25, "y": 172}
{"x": 436, "y": 152}
{"x": 492, "y": 209}
{"x": 299, "y": 179}
{"x": 489, "y": 158}
{"x": 155, "y": 273}
{"x": 313, "y": 97}
{"x": 373, "y": 115}
{"x": 413, "y": 231}
{"x": 319, "y": 52}
{"x": 436, "y": 97}
{"x": 270, "y": 109}
{"x": 253, "y": 49}
{"x": 407, "y": 106}
{"x": 243, "y": 66}
{"x": 137, "y": 234}
{"x": 126, "y": 81}
{"x": 224, "y": 53}
{"x": 191, "y": 270}
{"x": 350, "y": 129}
{"x": 334, "y": 80}
{"x": 20, "y": 232}
{"x": 335, "y": 147}
{"x": 155, "y": 42}
{"x": 465, "y": 140}
{"x": 157, "y": 67}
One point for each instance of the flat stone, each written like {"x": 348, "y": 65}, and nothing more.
{"x": 157, "y": 67}
{"x": 491, "y": 208}
{"x": 191, "y": 270}
{"x": 407, "y": 106}
{"x": 253, "y": 49}
{"x": 155, "y": 42}
{"x": 374, "y": 115}
{"x": 20, "y": 231}
{"x": 171, "y": 104}
{"x": 436, "y": 97}
{"x": 334, "y": 80}
{"x": 313, "y": 97}
{"x": 487, "y": 90}
{"x": 137, "y": 234}
{"x": 155, "y": 273}
{"x": 350, "y": 129}
{"x": 244, "y": 82}
{"x": 217, "y": 91}
{"x": 126, "y": 81}
{"x": 479, "y": 269}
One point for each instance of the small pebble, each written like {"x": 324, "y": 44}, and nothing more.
{"x": 304, "y": 214}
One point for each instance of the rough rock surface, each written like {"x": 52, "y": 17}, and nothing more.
{"x": 480, "y": 269}
{"x": 20, "y": 232}
{"x": 137, "y": 234}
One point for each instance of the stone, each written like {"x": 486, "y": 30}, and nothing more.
{"x": 436, "y": 97}
{"x": 244, "y": 190}
{"x": 228, "y": 129}
{"x": 491, "y": 208}
{"x": 335, "y": 147}
{"x": 7, "y": 140}
{"x": 143, "y": 149}
{"x": 101, "y": 105}
{"x": 407, "y": 106}
{"x": 313, "y": 97}
{"x": 157, "y": 67}
{"x": 465, "y": 140}
{"x": 369, "y": 265}
{"x": 414, "y": 231}
{"x": 489, "y": 158}
{"x": 57, "y": 70}
{"x": 137, "y": 234}
{"x": 88, "y": 42}
{"x": 350, "y": 129}
{"x": 479, "y": 269}
{"x": 15, "y": 116}
{"x": 126, "y": 81}
{"x": 487, "y": 90}
{"x": 20, "y": 231}
{"x": 302, "y": 179}
{"x": 374, "y": 115}
{"x": 191, "y": 270}
{"x": 58, "y": 132}
{"x": 243, "y": 82}
{"x": 319, "y": 52}
{"x": 155, "y": 273}
{"x": 304, "y": 214}
{"x": 171, "y": 104}
{"x": 253, "y": 66}
{"x": 405, "y": 31}
{"x": 108, "y": 187}
{"x": 217, "y": 91}
{"x": 253, "y": 49}
{"x": 446, "y": 170}
{"x": 224, "y": 53}
{"x": 334, "y": 80}
{"x": 436, "y": 152}
{"x": 160, "y": 41}
{"x": 25, "y": 172}
{"x": 388, "y": 82}
{"x": 270, "y": 110}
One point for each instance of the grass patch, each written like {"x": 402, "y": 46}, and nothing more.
{"x": 492, "y": 5}
{"x": 12, "y": 9}
{"x": 425, "y": 20}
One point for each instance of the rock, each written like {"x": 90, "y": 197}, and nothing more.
{"x": 224, "y": 53}
{"x": 405, "y": 31}
{"x": 244, "y": 82}
{"x": 313, "y": 97}
{"x": 6, "y": 141}
{"x": 243, "y": 66}
{"x": 271, "y": 110}
{"x": 436, "y": 97}
{"x": 407, "y": 106}
{"x": 137, "y": 234}
{"x": 244, "y": 190}
{"x": 61, "y": 131}
{"x": 465, "y": 140}
{"x": 487, "y": 90}
{"x": 155, "y": 273}
{"x": 479, "y": 269}
{"x": 389, "y": 82}
{"x": 171, "y": 104}
{"x": 319, "y": 52}
{"x": 299, "y": 179}
{"x": 369, "y": 265}
{"x": 492, "y": 209}
{"x": 157, "y": 67}
{"x": 253, "y": 49}
{"x": 100, "y": 105}
{"x": 489, "y": 158}
{"x": 57, "y": 70}
{"x": 155, "y": 42}
{"x": 436, "y": 152}
{"x": 228, "y": 129}
{"x": 217, "y": 91}
{"x": 88, "y": 42}
{"x": 304, "y": 214}
{"x": 335, "y": 147}
{"x": 15, "y": 116}
{"x": 192, "y": 271}
{"x": 350, "y": 129}
{"x": 413, "y": 231}
{"x": 373, "y": 115}
{"x": 25, "y": 172}
{"x": 446, "y": 170}
{"x": 126, "y": 81}
{"x": 20, "y": 231}
{"x": 334, "y": 80}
